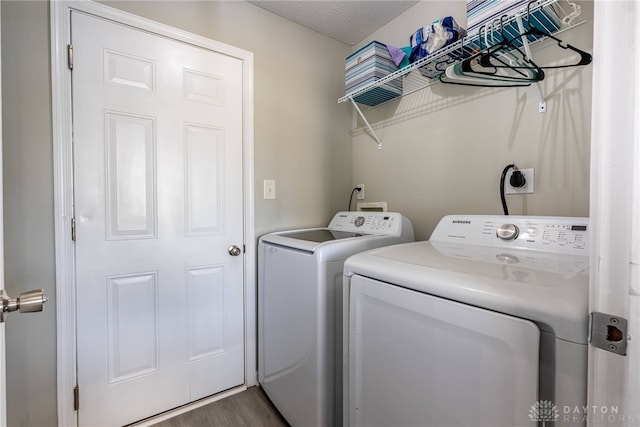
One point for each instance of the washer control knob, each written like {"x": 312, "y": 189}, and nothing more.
{"x": 508, "y": 232}
{"x": 359, "y": 221}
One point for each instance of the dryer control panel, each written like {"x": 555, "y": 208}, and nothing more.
{"x": 387, "y": 223}
{"x": 567, "y": 235}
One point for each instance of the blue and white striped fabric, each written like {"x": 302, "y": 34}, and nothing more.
{"x": 368, "y": 65}
{"x": 481, "y": 12}
{"x": 488, "y": 12}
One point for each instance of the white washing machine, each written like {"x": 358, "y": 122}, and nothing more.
{"x": 300, "y": 310}
{"x": 485, "y": 324}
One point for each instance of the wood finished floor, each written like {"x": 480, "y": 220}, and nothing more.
{"x": 248, "y": 408}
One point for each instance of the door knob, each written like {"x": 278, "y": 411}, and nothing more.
{"x": 26, "y": 302}
{"x": 234, "y": 250}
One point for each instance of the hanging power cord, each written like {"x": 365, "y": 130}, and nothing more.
{"x": 358, "y": 189}
{"x": 516, "y": 180}
{"x": 502, "y": 178}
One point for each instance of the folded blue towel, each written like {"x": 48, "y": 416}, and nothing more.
{"x": 407, "y": 51}
{"x": 416, "y": 41}
{"x": 441, "y": 33}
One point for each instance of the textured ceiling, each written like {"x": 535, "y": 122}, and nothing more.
{"x": 347, "y": 21}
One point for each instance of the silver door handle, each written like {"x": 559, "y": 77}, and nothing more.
{"x": 26, "y": 302}
{"x": 234, "y": 250}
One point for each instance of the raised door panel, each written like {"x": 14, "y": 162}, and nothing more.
{"x": 132, "y": 317}
{"x": 131, "y": 176}
{"x": 205, "y": 289}
{"x": 129, "y": 71}
{"x": 204, "y": 172}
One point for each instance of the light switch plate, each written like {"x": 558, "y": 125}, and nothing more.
{"x": 269, "y": 189}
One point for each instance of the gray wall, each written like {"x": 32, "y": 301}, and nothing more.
{"x": 445, "y": 146}
{"x": 301, "y": 140}
{"x": 28, "y": 210}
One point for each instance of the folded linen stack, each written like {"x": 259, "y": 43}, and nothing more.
{"x": 485, "y": 12}
{"x": 368, "y": 65}
{"x": 488, "y": 14}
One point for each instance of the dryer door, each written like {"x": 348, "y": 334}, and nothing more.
{"x": 415, "y": 359}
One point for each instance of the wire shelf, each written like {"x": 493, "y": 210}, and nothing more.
{"x": 548, "y": 15}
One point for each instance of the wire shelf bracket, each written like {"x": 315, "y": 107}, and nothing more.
{"x": 373, "y": 133}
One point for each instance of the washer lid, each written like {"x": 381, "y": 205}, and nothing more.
{"x": 388, "y": 227}
{"x": 321, "y": 235}
{"x": 309, "y": 239}
{"x": 549, "y": 289}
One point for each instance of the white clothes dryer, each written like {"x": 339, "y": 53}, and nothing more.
{"x": 485, "y": 324}
{"x": 300, "y": 310}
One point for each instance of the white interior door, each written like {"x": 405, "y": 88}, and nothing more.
{"x": 158, "y": 202}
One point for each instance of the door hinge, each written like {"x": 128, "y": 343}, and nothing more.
{"x": 76, "y": 398}
{"x": 70, "y": 56}
{"x": 73, "y": 229}
{"x": 608, "y": 332}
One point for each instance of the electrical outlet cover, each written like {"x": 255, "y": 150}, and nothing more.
{"x": 528, "y": 186}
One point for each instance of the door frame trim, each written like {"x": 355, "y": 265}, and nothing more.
{"x": 63, "y": 187}
{"x": 615, "y": 223}
{"x": 3, "y": 364}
